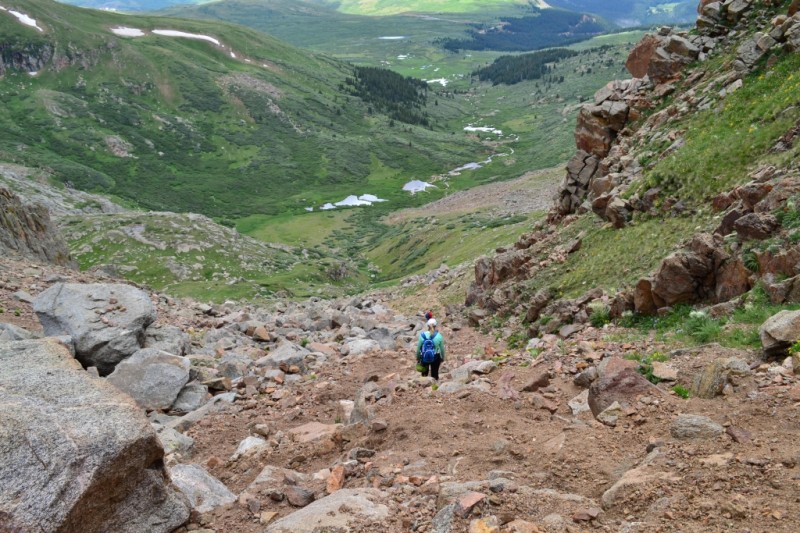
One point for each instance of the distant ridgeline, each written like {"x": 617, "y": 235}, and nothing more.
{"x": 534, "y": 66}
{"x": 542, "y": 29}
{"x": 401, "y": 98}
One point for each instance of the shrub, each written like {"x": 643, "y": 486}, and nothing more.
{"x": 750, "y": 260}
{"x": 516, "y": 340}
{"x": 794, "y": 348}
{"x": 702, "y": 328}
{"x": 681, "y": 391}
{"x": 600, "y": 314}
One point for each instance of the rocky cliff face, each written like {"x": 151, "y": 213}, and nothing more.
{"x": 28, "y": 230}
{"x": 27, "y": 57}
{"x": 35, "y": 56}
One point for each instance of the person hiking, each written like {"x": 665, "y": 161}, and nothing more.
{"x": 430, "y": 350}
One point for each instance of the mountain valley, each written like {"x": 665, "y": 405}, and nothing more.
{"x": 218, "y": 251}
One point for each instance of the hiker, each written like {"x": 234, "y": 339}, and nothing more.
{"x": 430, "y": 350}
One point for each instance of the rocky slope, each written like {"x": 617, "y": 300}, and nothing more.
{"x": 305, "y": 415}
{"x": 309, "y": 416}
{"x": 620, "y": 173}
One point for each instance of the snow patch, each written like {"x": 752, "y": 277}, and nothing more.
{"x": 393, "y": 37}
{"x": 468, "y": 166}
{"x": 33, "y": 73}
{"x": 416, "y": 186}
{"x": 175, "y": 33}
{"x": 402, "y": 57}
{"x": 484, "y": 129}
{"x": 3, "y": 9}
{"x": 441, "y": 81}
{"x": 233, "y": 55}
{"x": 24, "y": 19}
{"x": 124, "y": 31}
{"x": 371, "y": 198}
{"x": 351, "y": 201}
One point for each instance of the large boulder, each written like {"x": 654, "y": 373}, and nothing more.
{"x": 338, "y": 512}
{"x": 756, "y": 226}
{"x": 639, "y": 58}
{"x": 107, "y": 322}
{"x": 779, "y": 332}
{"x": 151, "y": 377}
{"x": 691, "y": 275}
{"x": 75, "y": 453}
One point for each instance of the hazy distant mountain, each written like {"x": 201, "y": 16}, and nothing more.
{"x": 628, "y": 13}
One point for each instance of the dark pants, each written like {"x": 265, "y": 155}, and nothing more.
{"x": 432, "y": 367}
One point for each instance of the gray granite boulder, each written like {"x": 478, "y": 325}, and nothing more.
{"x": 285, "y": 355}
{"x": 75, "y": 453}
{"x": 10, "y": 332}
{"x": 695, "y": 427}
{"x": 337, "y": 512}
{"x": 779, "y": 332}
{"x": 205, "y": 492}
{"x": 168, "y": 338}
{"x": 153, "y": 378}
{"x": 192, "y": 396}
{"x": 106, "y": 321}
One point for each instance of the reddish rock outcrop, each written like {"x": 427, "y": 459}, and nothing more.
{"x": 28, "y": 230}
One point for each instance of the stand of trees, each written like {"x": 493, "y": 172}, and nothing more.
{"x": 543, "y": 29}
{"x": 514, "y": 69}
{"x": 401, "y": 98}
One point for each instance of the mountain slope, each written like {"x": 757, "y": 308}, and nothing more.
{"x": 684, "y": 190}
{"x": 226, "y": 122}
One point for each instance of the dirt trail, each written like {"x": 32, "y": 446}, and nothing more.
{"x": 561, "y": 465}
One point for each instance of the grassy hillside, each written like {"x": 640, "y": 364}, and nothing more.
{"x": 249, "y": 125}
{"x": 253, "y": 132}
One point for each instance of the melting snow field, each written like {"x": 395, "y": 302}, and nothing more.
{"x": 442, "y": 81}
{"x": 484, "y": 129}
{"x": 128, "y": 32}
{"x": 351, "y": 201}
{"x": 175, "y": 33}
{"x": 416, "y": 186}
{"x": 393, "y": 37}
{"x": 23, "y": 18}
{"x": 136, "y": 32}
